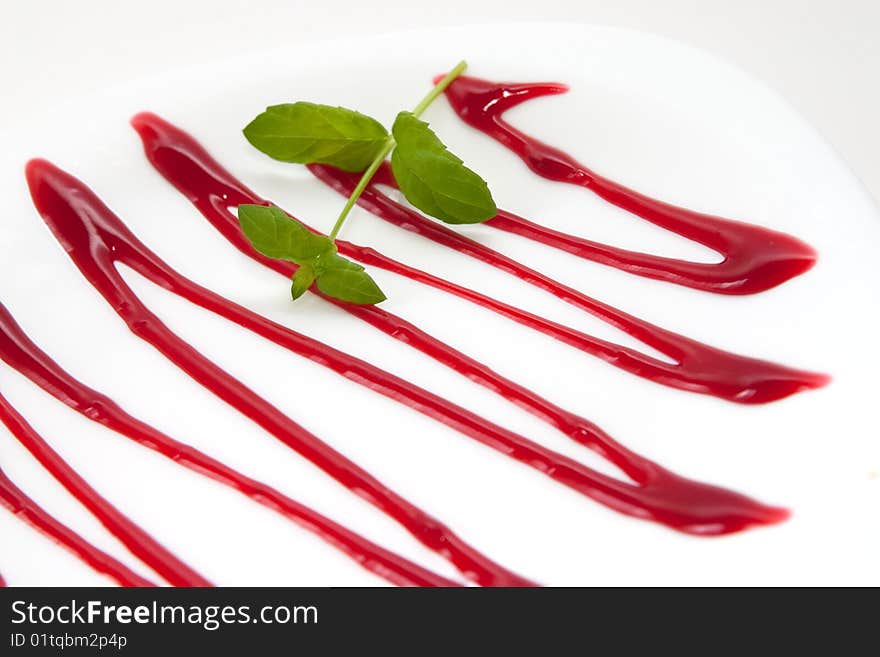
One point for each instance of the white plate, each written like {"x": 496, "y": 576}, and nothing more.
{"x": 661, "y": 117}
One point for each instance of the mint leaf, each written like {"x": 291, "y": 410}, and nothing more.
{"x": 433, "y": 179}
{"x": 277, "y": 235}
{"x": 302, "y": 281}
{"x": 310, "y": 133}
{"x": 346, "y": 280}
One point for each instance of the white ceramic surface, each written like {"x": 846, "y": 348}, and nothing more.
{"x": 656, "y": 115}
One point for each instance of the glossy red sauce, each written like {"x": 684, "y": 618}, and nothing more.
{"x": 23, "y": 507}
{"x": 139, "y": 543}
{"x": 754, "y": 258}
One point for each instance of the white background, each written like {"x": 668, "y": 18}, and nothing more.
{"x": 739, "y": 150}
{"x": 822, "y": 55}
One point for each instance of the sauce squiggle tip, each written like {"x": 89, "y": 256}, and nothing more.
{"x": 755, "y": 259}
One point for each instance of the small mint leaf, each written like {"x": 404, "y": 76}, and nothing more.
{"x": 433, "y": 179}
{"x": 346, "y": 280}
{"x": 302, "y": 281}
{"x": 310, "y": 133}
{"x": 276, "y": 235}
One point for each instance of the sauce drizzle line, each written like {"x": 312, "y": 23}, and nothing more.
{"x": 138, "y": 542}
{"x": 754, "y": 258}
{"x": 22, "y": 506}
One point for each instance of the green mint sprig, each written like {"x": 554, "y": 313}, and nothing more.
{"x": 429, "y": 175}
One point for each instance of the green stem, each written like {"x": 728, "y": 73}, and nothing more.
{"x": 362, "y": 185}
{"x": 432, "y": 95}
{"x": 439, "y": 88}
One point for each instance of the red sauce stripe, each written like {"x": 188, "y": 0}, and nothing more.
{"x": 755, "y": 258}
{"x": 138, "y": 542}
{"x": 14, "y": 499}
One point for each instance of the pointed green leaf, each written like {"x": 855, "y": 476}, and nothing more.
{"x": 306, "y": 133}
{"x": 433, "y": 179}
{"x": 346, "y": 280}
{"x": 302, "y": 281}
{"x": 276, "y": 235}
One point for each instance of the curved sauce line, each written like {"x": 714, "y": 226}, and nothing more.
{"x": 95, "y": 240}
{"x": 138, "y": 542}
{"x": 14, "y": 499}
{"x": 23, "y": 355}
{"x": 660, "y": 495}
{"x": 754, "y": 258}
